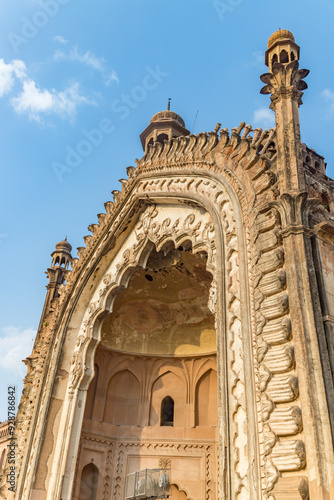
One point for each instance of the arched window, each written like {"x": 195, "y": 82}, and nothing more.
{"x": 89, "y": 482}
{"x": 57, "y": 261}
{"x": 167, "y": 412}
{"x": 62, "y": 261}
{"x": 274, "y": 59}
{"x": 284, "y": 57}
{"x": 292, "y": 55}
{"x": 308, "y": 160}
{"x": 162, "y": 137}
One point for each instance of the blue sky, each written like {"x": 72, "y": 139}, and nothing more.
{"x": 66, "y": 67}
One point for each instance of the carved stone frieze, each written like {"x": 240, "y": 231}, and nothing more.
{"x": 279, "y": 383}
{"x": 283, "y": 388}
{"x": 289, "y": 455}
{"x": 286, "y": 420}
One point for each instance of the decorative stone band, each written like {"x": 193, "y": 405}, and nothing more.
{"x": 278, "y": 381}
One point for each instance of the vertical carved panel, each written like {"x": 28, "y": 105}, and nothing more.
{"x": 279, "y": 383}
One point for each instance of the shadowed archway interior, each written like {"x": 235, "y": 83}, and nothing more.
{"x": 155, "y": 381}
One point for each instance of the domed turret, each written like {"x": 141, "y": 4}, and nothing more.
{"x": 64, "y": 246}
{"x": 62, "y": 255}
{"x": 281, "y": 48}
{"x": 164, "y": 125}
{"x": 57, "y": 272}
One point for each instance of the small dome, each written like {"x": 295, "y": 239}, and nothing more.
{"x": 167, "y": 115}
{"x": 280, "y": 35}
{"x": 64, "y": 246}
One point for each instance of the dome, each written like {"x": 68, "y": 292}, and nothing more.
{"x": 280, "y": 35}
{"x": 167, "y": 115}
{"x": 64, "y": 246}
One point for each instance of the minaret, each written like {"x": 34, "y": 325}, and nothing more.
{"x": 163, "y": 126}
{"x": 61, "y": 259}
{"x": 294, "y": 206}
{"x": 285, "y": 84}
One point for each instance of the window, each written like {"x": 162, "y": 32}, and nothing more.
{"x": 167, "y": 412}
{"x": 162, "y": 137}
{"x": 284, "y": 57}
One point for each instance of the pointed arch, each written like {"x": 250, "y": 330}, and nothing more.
{"x": 123, "y": 399}
{"x": 168, "y": 385}
{"x": 89, "y": 482}
{"x": 206, "y": 402}
{"x": 100, "y": 301}
{"x": 167, "y": 412}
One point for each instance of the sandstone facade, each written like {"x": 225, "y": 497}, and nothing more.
{"x": 195, "y": 330}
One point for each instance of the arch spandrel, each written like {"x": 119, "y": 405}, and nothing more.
{"x": 233, "y": 187}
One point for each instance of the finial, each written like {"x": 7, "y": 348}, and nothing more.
{"x": 65, "y": 238}
{"x": 168, "y": 105}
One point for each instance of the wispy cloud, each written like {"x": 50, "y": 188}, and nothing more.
{"x": 60, "y": 39}
{"x": 256, "y": 60}
{"x": 15, "y": 345}
{"x": 8, "y": 72}
{"x": 264, "y": 118}
{"x": 329, "y": 97}
{"x": 37, "y": 102}
{"x": 90, "y": 59}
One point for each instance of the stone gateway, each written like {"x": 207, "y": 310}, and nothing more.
{"x": 195, "y": 332}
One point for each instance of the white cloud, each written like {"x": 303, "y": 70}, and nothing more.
{"x": 329, "y": 96}
{"x": 91, "y": 60}
{"x": 37, "y": 102}
{"x": 16, "y": 68}
{"x": 87, "y": 58}
{"x": 264, "y": 117}
{"x": 15, "y": 345}
{"x": 60, "y": 39}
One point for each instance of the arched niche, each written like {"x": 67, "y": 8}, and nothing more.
{"x": 122, "y": 399}
{"x": 89, "y": 483}
{"x": 172, "y": 386}
{"x": 206, "y": 400}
